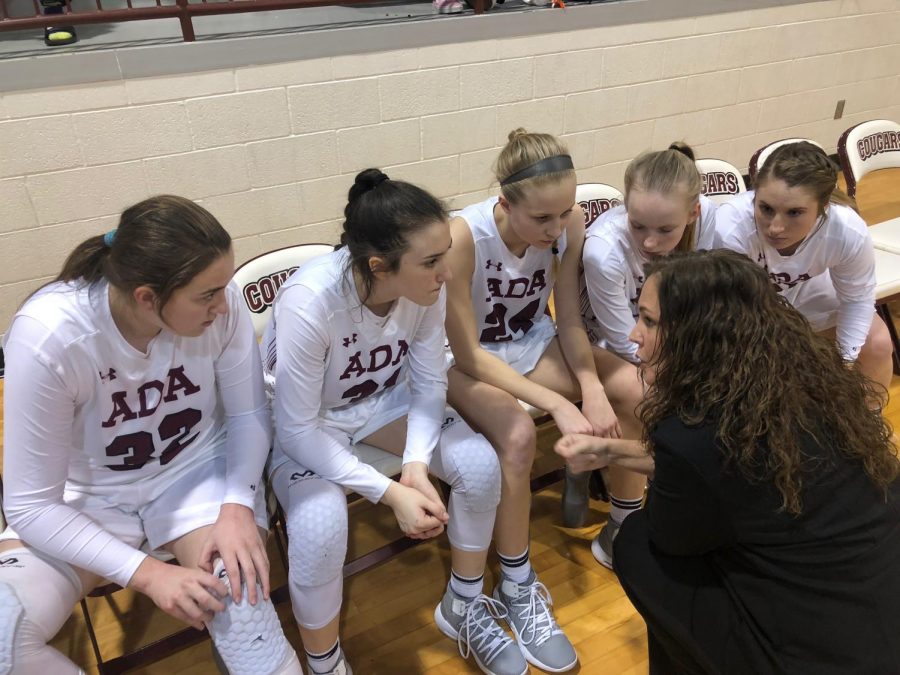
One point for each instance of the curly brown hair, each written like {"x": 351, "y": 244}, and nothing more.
{"x": 733, "y": 351}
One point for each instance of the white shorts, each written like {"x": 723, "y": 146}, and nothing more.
{"x": 191, "y": 502}
{"x": 352, "y": 423}
{"x": 523, "y": 354}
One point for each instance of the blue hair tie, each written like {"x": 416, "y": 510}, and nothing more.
{"x": 108, "y": 238}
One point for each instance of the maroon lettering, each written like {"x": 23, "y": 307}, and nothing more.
{"x": 178, "y": 381}
{"x": 145, "y": 407}
{"x": 538, "y": 283}
{"x": 177, "y": 424}
{"x": 260, "y": 294}
{"x": 517, "y": 288}
{"x": 379, "y": 357}
{"x": 120, "y": 409}
{"x": 374, "y": 365}
{"x": 719, "y": 183}
{"x": 137, "y": 448}
{"x": 402, "y": 350}
{"x": 594, "y": 208}
{"x": 878, "y": 143}
{"x": 514, "y": 285}
{"x": 354, "y": 366}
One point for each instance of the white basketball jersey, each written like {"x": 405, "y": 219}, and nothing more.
{"x": 834, "y": 265}
{"x": 365, "y": 353}
{"x": 336, "y": 360}
{"x": 509, "y": 294}
{"x": 137, "y": 421}
{"x": 614, "y": 275}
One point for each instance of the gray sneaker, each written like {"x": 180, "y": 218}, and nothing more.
{"x": 602, "y": 546}
{"x": 473, "y": 624}
{"x": 539, "y": 636}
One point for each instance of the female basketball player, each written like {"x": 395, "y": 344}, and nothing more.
{"x": 356, "y": 349}
{"x": 663, "y": 212}
{"x": 803, "y": 230}
{"x": 509, "y": 253}
{"x": 135, "y": 412}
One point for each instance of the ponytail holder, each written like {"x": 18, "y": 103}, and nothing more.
{"x": 108, "y": 238}
{"x": 378, "y": 181}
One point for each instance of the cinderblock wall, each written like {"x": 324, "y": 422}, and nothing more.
{"x": 271, "y": 150}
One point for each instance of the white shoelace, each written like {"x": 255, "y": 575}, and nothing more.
{"x": 480, "y": 626}
{"x": 539, "y": 624}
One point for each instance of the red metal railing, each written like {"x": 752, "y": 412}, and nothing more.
{"x": 183, "y": 10}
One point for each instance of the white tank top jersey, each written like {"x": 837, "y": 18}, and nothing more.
{"x": 86, "y": 412}
{"x": 614, "y": 275}
{"x": 509, "y": 294}
{"x": 831, "y": 273}
{"x": 328, "y": 352}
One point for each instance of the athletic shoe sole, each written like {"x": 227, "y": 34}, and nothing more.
{"x": 600, "y": 555}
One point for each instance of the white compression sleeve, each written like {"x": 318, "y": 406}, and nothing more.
{"x": 302, "y": 343}
{"x": 428, "y": 384}
{"x": 240, "y": 383}
{"x": 38, "y": 414}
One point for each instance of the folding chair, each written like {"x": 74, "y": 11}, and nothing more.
{"x": 721, "y": 180}
{"x": 862, "y": 149}
{"x": 596, "y": 199}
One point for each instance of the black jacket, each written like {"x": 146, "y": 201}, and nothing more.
{"x": 820, "y": 592}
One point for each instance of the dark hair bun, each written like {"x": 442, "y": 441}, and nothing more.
{"x": 365, "y": 181}
{"x": 683, "y": 148}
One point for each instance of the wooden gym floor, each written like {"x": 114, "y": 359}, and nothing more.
{"x": 387, "y": 625}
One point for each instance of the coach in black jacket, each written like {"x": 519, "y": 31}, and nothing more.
{"x": 770, "y": 541}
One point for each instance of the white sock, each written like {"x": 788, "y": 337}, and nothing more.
{"x": 516, "y": 567}
{"x": 466, "y": 587}
{"x": 621, "y": 508}
{"x": 326, "y": 661}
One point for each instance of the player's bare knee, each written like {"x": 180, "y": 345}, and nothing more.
{"x": 317, "y": 534}
{"x": 516, "y": 446}
{"x": 878, "y": 346}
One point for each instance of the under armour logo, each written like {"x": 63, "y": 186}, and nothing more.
{"x": 350, "y": 340}
{"x": 110, "y": 376}
{"x": 9, "y": 561}
{"x": 222, "y": 573}
{"x": 497, "y": 266}
{"x": 298, "y": 475}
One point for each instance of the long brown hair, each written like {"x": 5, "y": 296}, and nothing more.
{"x": 732, "y": 350}
{"x": 162, "y": 242}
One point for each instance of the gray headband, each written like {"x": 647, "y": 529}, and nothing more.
{"x": 552, "y": 164}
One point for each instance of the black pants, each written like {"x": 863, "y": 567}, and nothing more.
{"x": 693, "y": 626}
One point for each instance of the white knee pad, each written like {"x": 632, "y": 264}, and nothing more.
{"x": 469, "y": 464}
{"x": 315, "y": 606}
{"x": 316, "y": 511}
{"x": 36, "y": 598}
{"x": 249, "y": 638}
{"x": 317, "y": 531}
